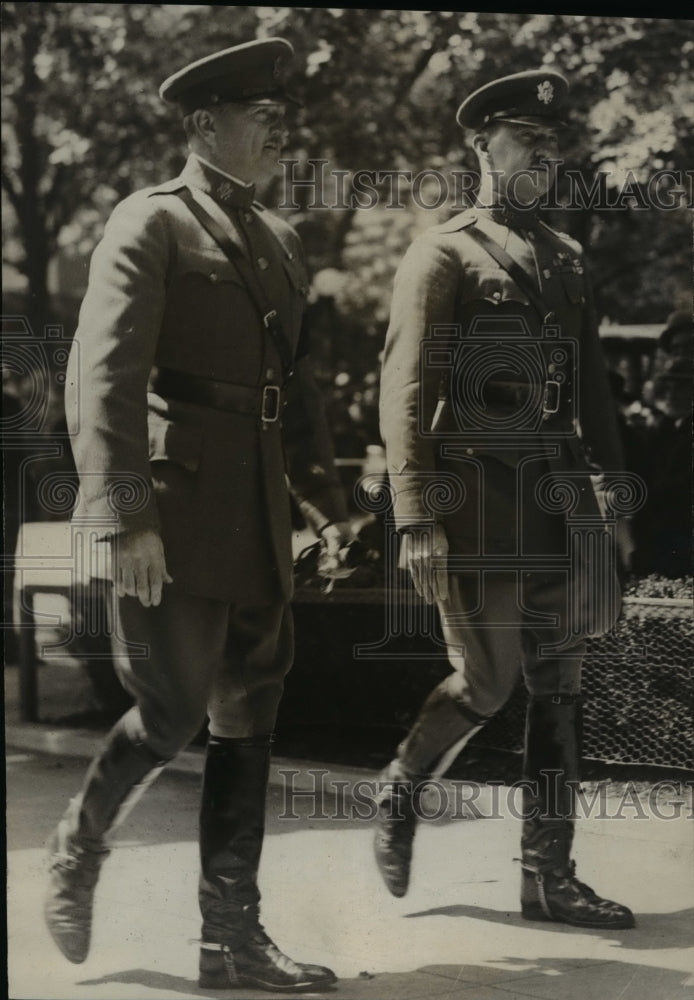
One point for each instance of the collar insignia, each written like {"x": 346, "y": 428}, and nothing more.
{"x": 225, "y": 190}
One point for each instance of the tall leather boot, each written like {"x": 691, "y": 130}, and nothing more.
{"x": 440, "y": 732}
{"x": 235, "y": 949}
{"x": 114, "y": 782}
{"x": 549, "y": 887}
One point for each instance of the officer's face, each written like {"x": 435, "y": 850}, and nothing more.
{"x": 520, "y": 154}
{"x": 248, "y": 139}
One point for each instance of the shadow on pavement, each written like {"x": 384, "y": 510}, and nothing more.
{"x": 174, "y": 985}
{"x": 540, "y": 978}
{"x": 653, "y": 930}
{"x": 581, "y": 979}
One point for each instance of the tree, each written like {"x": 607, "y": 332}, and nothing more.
{"x": 83, "y": 126}
{"x": 82, "y": 123}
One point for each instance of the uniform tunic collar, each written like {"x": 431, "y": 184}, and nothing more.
{"x": 229, "y": 191}
{"x": 517, "y": 219}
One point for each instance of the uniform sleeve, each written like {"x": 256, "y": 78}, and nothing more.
{"x": 424, "y": 295}
{"x": 110, "y": 363}
{"x": 597, "y": 407}
{"x": 309, "y": 451}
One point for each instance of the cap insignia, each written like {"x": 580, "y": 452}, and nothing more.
{"x": 545, "y": 92}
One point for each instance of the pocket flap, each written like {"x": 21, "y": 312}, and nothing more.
{"x": 494, "y": 285}
{"x": 209, "y": 261}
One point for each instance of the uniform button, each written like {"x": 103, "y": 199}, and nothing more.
{"x": 214, "y": 276}
{"x": 496, "y": 296}
{"x": 290, "y": 255}
{"x": 270, "y": 373}
{"x": 248, "y": 217}
{"x": 551, "y": 369}
{"x": 469, "y": 451}
{"x": 546, "y": 416}
{"x": 263, "y": 263}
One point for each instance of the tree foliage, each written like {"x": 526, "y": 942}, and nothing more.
{"x": 83, "y": 125}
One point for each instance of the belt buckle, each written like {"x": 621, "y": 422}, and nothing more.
{"x": 270, "y": 406}
{"x": 550, "y": 399}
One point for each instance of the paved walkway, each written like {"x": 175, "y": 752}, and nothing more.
{"x": 457, "y": 934}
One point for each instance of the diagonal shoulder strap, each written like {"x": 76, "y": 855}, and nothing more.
{"x": 512, "y": 267}
{"x": 268, "y": 314}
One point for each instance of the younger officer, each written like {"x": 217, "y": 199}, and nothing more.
{"x": 190, "y": 398}
{"x": 491, "y": 364}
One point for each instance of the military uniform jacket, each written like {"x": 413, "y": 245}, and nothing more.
{"x": 163, "y": 296}
{"x": 483, "y": 403}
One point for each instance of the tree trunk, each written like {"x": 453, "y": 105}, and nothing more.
{"x": 31, "y": 209}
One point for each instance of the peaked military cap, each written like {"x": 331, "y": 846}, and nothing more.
{"x": 254, "y": 71}
{"x": 534, "y": 97}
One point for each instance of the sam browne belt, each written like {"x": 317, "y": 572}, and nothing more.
{"x": 250, "y": 400}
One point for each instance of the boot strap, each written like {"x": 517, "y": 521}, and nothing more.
{"x": 539, "y": 878}
{"x": 548, "y": 868}
{"x": 227, "y": 957}
{"x": 230, "y": 965}
{"x": 541, "y": 895}
{"x": 539, "y": 872}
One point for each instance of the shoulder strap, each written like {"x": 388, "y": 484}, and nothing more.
{"x": 506, "y": 261}
{"x": 268, "y": 314}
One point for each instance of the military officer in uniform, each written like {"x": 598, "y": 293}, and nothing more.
{"x": 191, "y": 401}
{"x": 494, "y": 391}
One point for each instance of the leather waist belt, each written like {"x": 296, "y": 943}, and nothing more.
{"x": 250, "y": 400}
{"x": 518, "y": 393}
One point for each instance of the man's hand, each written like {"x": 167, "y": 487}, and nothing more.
{"x": 335, "y": 537}
{"x": 139, "y": 567}
{"x": 424, "y": 552}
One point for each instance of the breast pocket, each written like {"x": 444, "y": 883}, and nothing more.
{"x": 207, "y": 262}
{"x": 494, "y": 286}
